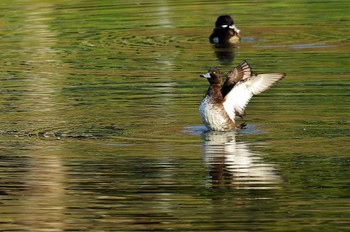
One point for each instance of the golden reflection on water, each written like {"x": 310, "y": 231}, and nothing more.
{"x": 42, "y": 204}
{"x": 40, "y": 82}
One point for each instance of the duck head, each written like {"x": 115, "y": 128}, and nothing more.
{"x": 213, "y": 75}
{"x": 224, "y": 20}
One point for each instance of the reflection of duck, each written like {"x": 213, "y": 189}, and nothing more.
{"x": 221, "y": 104}
{"x": 232, "y": 163}
{"x": 225, "y": 55}
{"x": 225, "y": 32}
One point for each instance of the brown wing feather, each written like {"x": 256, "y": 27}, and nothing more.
{"x": 241, "y": 72}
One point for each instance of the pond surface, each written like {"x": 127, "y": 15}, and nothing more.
{"x": 100, "y": 128}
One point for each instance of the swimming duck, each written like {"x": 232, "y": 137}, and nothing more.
{"x": 225, "y": 32}
{"x": 223, "y": 102}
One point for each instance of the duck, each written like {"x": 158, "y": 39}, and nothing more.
{"x": 223, "y": 102}
{"x": 225, "y": 33}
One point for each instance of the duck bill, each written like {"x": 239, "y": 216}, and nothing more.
{"x": 206, "y": 75}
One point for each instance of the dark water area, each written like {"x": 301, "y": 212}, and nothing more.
{"x": 100, "y": 129}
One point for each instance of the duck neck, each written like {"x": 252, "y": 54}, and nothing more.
{"x": 214, "y": 91}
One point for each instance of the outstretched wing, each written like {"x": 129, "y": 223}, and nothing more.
{"x": 241, "y": 72}
{"x": 237, "y": 99}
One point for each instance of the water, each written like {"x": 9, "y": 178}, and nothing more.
{"x": 100, "y": 128}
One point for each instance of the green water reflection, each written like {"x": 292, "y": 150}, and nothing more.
{"x": 100, "y": 127}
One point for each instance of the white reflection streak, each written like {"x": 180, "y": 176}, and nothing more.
{"x": 232, "y": 162}
{"x": 163, "y": 56}
{"x": 163, "y": 19}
